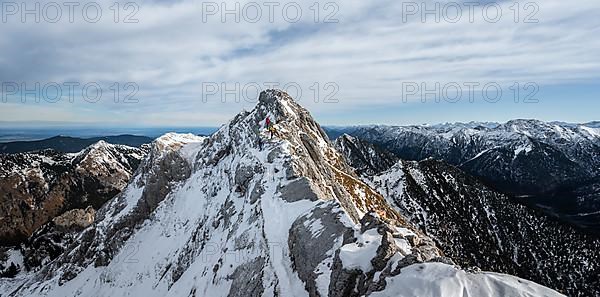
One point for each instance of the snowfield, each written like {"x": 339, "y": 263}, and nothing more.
{"x": 435, "y": 279}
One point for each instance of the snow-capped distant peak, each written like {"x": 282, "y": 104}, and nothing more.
{"x": 176, "y": 139}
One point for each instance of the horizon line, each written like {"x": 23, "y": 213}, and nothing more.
{"x": 97, "y": 125}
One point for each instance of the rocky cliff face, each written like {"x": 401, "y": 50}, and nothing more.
{"x": 364, "y": 157}
{"x": 36, "y": 187}
{"x": 219, "y": 216}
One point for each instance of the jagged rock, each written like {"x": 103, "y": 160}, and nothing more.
{"x": 444, "y": 260}
{"x": 413, "y": 240}
{"x": 385, "y": 254}
{"x": 411, "y": 259}
{"x": 313, "y": 238}
{"x": 50, "y": 241}
{"x": 257, "y": 191}
{"x": 76, "y": 218}
{"x": 243, "y": 175}
{"x": 299, "y": 189}
{"x": 247, "y": 279}
{"x": 343, "y": 281}
{"x": 273, "y": 154}
{"x": 364, "y": 157}
{"x": 385, "y": 251}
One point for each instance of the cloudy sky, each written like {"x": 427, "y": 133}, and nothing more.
{"x": 348, "y": 62}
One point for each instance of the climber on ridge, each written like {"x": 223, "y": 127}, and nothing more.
{"x": 270, "y": 126}
{"x": 272, "y": 130}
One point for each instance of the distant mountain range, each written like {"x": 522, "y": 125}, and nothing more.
{"x": 12, "y": 131}
{"x": 67, "y": 144}
{"x": 551, "y": 165}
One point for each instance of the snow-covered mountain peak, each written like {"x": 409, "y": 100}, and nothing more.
{"x": 303, "y": 147}
{"x": 174, "y": 141}
{"x": 277, "y": 99}
{"x": 524, "y": 122}
{"x": 111, "y": 163}
{"x": 100, "y": 144}
{"x": 286, "y": 115}
{"x": 185, "y": 145}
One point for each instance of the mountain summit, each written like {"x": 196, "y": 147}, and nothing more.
{"x": 227, "y": 216}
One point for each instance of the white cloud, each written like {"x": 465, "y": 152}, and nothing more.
{"x": 369, "y": 53}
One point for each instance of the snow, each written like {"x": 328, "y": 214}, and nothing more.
{"x": 287, "y": 107}
{"x": 358, "y": 255}
{"x": 138, "y": 268}
{"x": 590, "y": 132}
{"x": 191, "y": 147}
{"x": 403, "y": 231}
{"x": 172, "y": 138}
{"x": 47, "y": 160}
{"x": 316, "y": 227}
{"x": 392, "y": 184}
{"x": 178, "y": 142}
{"x": 404, "y": 246}
{"x": 186, "y": 145}
{"x": 587, "y": 214}
{"x": 522, "y": 148}
{"x": 442, "y": 139}
{"x": 132, "y": 193}
{"x": 324, "y": 268}
{"x": 279, "y": 217}
{"x": 437, "y": 279}
{"x": 480, "y": 154}
{"x": 14, "y": 256}
{"x": 418, "y": 176}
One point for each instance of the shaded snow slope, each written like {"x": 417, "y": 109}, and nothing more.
{"x": 477, "y": 226}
